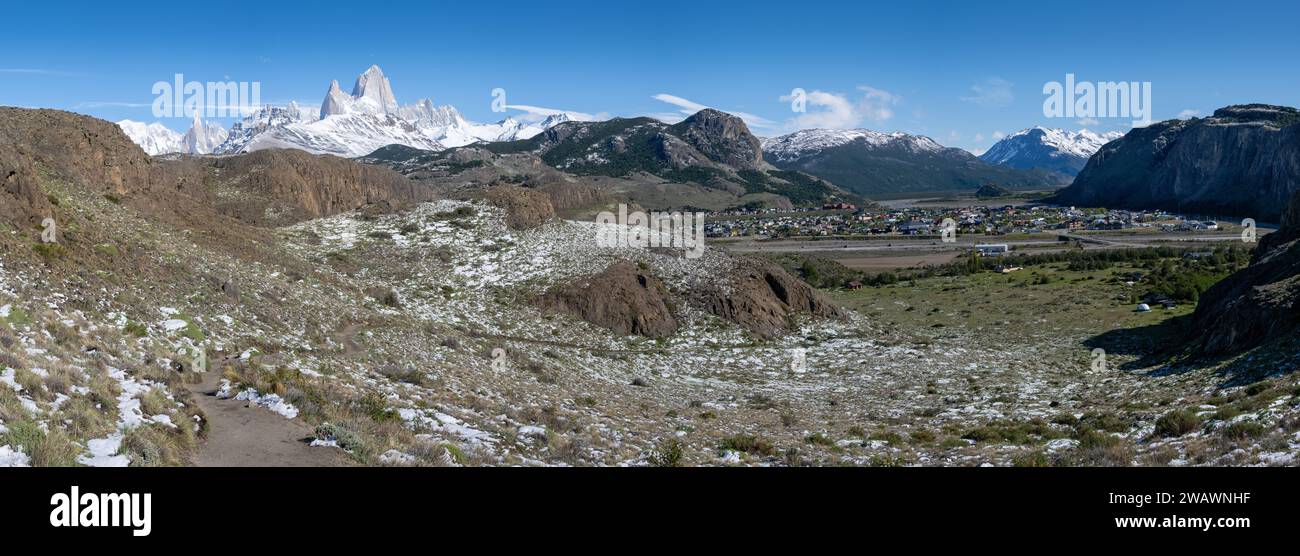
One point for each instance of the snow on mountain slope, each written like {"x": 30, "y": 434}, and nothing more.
{"x": 266, "y": 118}
{"x": 203, "y": 137}
{"x": 1056, "y": 150}
{"x": 369, "y": 118}
{"x": 348, "y": 135}
{"x": 154, "y": 138}
{"x": 349, "y": 125}
{"x": 812, "y": 141}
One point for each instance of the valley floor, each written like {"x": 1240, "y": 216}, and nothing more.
{"x": 410, "y": 339}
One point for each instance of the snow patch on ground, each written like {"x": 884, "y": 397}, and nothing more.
{"x": 10, "y": 457}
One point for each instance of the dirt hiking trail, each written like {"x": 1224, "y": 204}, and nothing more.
{"x": 240, "y": 435}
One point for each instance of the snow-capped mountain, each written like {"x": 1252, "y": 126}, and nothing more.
{"x": 870, "y": 163}
{"x": 809, "y": 142}
{"x": 1054, "y": 150}
{"x": 154, "y": 138}
{"x": 264, "y": 119}
{"x": 203, "y": 137}
{"x": 357, "y": 124}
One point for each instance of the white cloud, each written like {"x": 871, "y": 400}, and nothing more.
{"x": 998, "y": 135}
{"x": 838, "y": 111}
{"x": 1088, "y": 122}
{"x": 991, "y": 92}
{"x": 32, "y": 71}
{"x": 688, "y": 108}
{"x": 1189, "y": 114}
{"x": 110, "y": 104}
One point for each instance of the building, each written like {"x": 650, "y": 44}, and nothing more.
{"x": 914, "y": 227}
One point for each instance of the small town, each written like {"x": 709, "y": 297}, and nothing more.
{"x": 845, "y": 220}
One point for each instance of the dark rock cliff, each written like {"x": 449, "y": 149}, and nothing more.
{"x": 1243, "y": 161}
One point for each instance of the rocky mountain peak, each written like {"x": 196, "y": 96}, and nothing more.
{"x": 722, "y": 137}
{"x": 335, "y": 101}
{"x": 373, "y": 86}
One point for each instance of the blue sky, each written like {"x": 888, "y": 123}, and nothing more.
{"x": 959, "y": 72}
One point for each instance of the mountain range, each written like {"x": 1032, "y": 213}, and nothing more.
{"x": 349, "y": 125}
{"x": 708, "y": 161}
{"x": 1055, "y": 150}
{"x": 201, "y": 138}
{"x": 859, "y": 161}
{"x": 871, "y": 163}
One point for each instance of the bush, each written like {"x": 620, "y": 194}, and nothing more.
{"x": 1032, "y": 459}
{"x": 375, "y": 406}
{"x": 819, "y": 439}
{"x": 1242, "y": 430}
{"x": 345, "y": 438}
{"x": 135, "y": 329}
{"x": 749, "y": 444}
{"x": 667, "y": 454}
{"x": 1177, "y": 423}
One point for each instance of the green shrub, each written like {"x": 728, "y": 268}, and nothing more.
{"x": 749, "y": 444}
{"x": 1242, "y": 430}
{"x": 667, "y": 453}
{"x": 1177, "y": 423}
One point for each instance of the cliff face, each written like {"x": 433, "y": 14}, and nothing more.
{"x": 62, "y": 145}
{"x": 302, "y": 186}
{"x": 1259, "y": 303}
{"x": 1243, "y": 161}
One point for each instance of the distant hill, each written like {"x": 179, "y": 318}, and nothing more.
{"x": 990, "y": 191}
{"x": 871, "y": 163}
{"x": 710, "y": 154}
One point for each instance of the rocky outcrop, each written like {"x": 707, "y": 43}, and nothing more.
{"x": 78, "y": 149}
{"x": 723, "y": 138}
{"x": 23, "y": 204}
{"x": 622, "y": 298}
{"x": 568, "y": 198}
{"x": 525, "y": 208}
{"x": 759, "y": 296}
{"x": 283, "y": 186}
{"x": 763, "y": 298}
{"x": 1259, "y": 303}
{"x": 264, "y": 188}
{"x": 1243, "y": 161}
